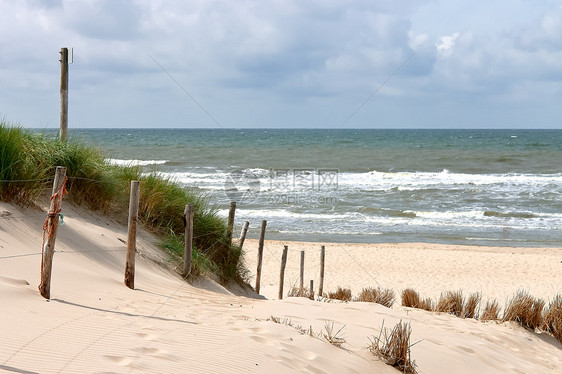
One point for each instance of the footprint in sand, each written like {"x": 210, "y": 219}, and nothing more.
{"x": 145, "y": 336}
{"x": 119, "y": 360}
{"x": 262, "y": 340}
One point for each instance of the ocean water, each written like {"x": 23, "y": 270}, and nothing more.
{"x": 493, "y": 187}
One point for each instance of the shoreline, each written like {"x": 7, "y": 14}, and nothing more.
{"x": 496, "y": 272}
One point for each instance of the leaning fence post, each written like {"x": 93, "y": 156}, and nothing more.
{"x": 230, "y": 225}
{"x": 243, "y": 234}
{"x": 48, "y": 249}
{"x": 282, "y": 272}
{"x": 322, "y": 260}
{"x": 188, "y": 239}
{"x": 132, "y": 234}
{"x": 260, "y": 255}
{"x": 302, "y": 271}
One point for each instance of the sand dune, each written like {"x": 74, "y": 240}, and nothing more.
{"x": 94, "y": 324}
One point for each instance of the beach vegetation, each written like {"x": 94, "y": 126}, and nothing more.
{"x": 27, "y": 166}
{"x": 394, "y": 347}
{"x": 470, "y": 309}
{"x": 377, "y": 295}
{"x": 491, "y": 311}
{"x": 411, "y": 298}
{"x": 525, "y": 310}
{"x": 552, "y": 320}
{"x": 343, "y": 294}
{"x": 451, "y": 302}
{"x": 301, "y": 292}
{"x": 332, "y": 336}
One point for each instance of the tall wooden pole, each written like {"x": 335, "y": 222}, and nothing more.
{"x": 188, "y": 239}
{"x": 243, "y": 234}
{"x": 302, "y": 271}
{"x": 282, "y": 272}
{"x": 230, "y": 225}
{"x": 311, "y": 294}
{"x": 322, "y": 260}
{"x": 63, "y": 94}
{"x": 260, "y": 255}
{"x": 52, "y": 225}
{"x": 132, "y": 234}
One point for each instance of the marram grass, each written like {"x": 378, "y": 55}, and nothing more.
{"x": 27, "y": 166}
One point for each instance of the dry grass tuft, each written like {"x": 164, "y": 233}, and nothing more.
{"x": 410, "y": 298}
{"x": 301, "y": 292}
{"x": 553, "y": 318}
{"x": 451, "y": 302}
{"x": 394, "y": 349}
{"x": 343, "y": 294}
{"x": 377, "y": 295}
{"x": 524, "y": 309}
{"x": 288, "y": 322}
{"x": 334, "y": 338}
{"x": 491, "y": 311}
{"x": 471, "y": 306}
{"x": 426, "y": 304}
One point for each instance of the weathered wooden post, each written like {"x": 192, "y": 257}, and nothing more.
{"x": 302, "y": 272}
{"x": 260, "y": 255}
{"x": 322, "y": 260}
{"x": 48, "y": 249}
{"x": 132, "y": 234}
{"x": 188, "y": 239}
{"x": 63, "y": 94}
{"x": 243, "y": 233}
{"x": 230, "y": 225}
{"x": 282, "y": 272}
{"x": 311, "y": 294}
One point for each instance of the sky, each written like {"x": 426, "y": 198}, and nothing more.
{"x": 284, "y": 63}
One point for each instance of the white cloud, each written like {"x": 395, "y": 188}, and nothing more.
{"x": 313, "y": 60}
{"x": 446, "y": 43}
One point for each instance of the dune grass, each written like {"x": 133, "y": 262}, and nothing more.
{"x": 524, "y": 309}
{"x": 552, "y": 321}
{"x": 377, "y": 295}
{"x": 411, "y": 299}
{"x": 343, "y": 294}
{"x": 301, "y": 292}
{"x": 27, "y": 165}
{"x": 394, "y": 348}
{"x": 451, "y": 302}
{"x": 491, "y": 311}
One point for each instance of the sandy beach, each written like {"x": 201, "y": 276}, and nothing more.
{"x": 495, "y": 272}
{"x": 94, "y": 324}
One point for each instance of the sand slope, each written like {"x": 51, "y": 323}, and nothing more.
{"x": 94, "y": 324}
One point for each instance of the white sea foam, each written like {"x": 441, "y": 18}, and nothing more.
{"x": 118, "y": 162}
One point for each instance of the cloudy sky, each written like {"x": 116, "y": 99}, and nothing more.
{"x": 284, "y": 63}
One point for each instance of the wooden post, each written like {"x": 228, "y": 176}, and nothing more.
{"x": 322, "y": 260}
{"x": 132, "y": 234}
{"x": 48, "y": 249}
{"x": 243, "y": 234}
{"x": 188, "y": 239}
{"x": 302, "y": 271}
{"x": 260, "y": 255}
{"x": 311, "y": 289}
{"x": 282, "y": 272}
{"x": 63, "y": 94}
{"x": 230, "y": 226}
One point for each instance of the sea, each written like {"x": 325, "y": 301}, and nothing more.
{"x": 479, "y": 187}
